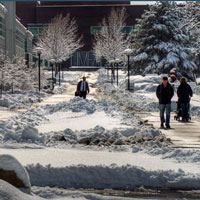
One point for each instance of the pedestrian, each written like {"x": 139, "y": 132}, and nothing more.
{"x": 83, "y": 88}
{"x": 164, "y": 93}
{"x": 184, "y": 93}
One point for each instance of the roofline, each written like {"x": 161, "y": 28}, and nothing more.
{"x": 58, "y": 6}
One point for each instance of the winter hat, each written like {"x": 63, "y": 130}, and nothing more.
{"x": 165, "y": 78}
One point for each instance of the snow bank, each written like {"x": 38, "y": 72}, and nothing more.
{"x": 111, "y": 177}
{"x": 72, "y": 77}
{"x": 20, "y": 99}
{"x": 23, "y": 128}
{"x": 143, "y": 98}
{"x": 178, "y": 154}
{"x": 9, "y": 163}
{"x": 9, "y": 192}
{"x": 58, "y": 89}
{"x": 63, "y": 194}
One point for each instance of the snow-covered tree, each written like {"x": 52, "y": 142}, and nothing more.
{"x": 6, "y": 65}
{"x": 110, "y": 41}
{"x": 190, "y": 14}
{"x": 59, "y": 39}
{"x": 160, "y": 44}
{"x": 21, "y": 74}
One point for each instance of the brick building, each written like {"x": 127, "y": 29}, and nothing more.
{"x": 88, "y": 15}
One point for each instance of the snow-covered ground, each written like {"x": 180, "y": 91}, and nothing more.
{"x": 144, "y": 97}
{"x": 20, "y": 99}
{"x": 94, "y": 144}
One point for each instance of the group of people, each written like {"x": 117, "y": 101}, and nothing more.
{"x": 165, "y": 92}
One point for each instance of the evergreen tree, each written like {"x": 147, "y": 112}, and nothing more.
{"x": 190, "y": 15}
{"x": 160, "y": 44}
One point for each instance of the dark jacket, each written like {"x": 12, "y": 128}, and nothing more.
{"x": 184, "y": 93}
{"x": 79, "y": 87}
{"x": 165, "y": 94}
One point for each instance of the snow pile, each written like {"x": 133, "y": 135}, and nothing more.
{"x": 20, "y": 99}
{"x": 9, "y": 192}
{"x": 23, "y": 128}
{"x": 198, "y": 81}
{"x": 101, "y": 137}
{"x": 58, "y": 89}
{"x": 144, "y": 96}
{"x": 132, "y": 101}
{"x": 111, "y": 177}
{"x": 72, "y": 77}
{"x": 63, "y": 194}
{"x": 9, "y": 163}
{"x": 167, "y": 152}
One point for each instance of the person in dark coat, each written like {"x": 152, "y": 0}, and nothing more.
{"x": 83, "y": 88}
{"x": 164, "y": 93}
{"x": 184, "y": 94}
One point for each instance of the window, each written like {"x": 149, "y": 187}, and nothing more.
{"x": 36, "y": 29}
{"x": 96, "y": 29}
{"x": 2, "y": 27}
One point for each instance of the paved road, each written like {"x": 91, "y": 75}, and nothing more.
{"x": 182, "y": 134}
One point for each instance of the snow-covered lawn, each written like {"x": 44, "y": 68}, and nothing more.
{"x": 144, "y": 96}
{"x": 20, "y": 99}
{"x": 93, "y": 144}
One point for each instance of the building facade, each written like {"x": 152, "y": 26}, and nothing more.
{"x": 34, "y": 16}
{"x": 15, "y": 39}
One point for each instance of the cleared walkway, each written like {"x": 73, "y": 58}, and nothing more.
{"x": 182, "y": 134}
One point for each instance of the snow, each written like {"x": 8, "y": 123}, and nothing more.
{"x": 94, "y": 144}
{"x": 60, "y": 121}
{"x": 9, "y": 192}
{"x": 144, "y": 97}
{"x": 9, "y": 163}
{"x": 111, "y": 177}
{"x": 20, "y": 99}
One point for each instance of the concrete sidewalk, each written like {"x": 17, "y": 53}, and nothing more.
{"x": 182, "y": 134}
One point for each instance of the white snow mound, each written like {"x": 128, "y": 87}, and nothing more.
{"x": 10, "y": 163}
{"x": 9, "y": 192}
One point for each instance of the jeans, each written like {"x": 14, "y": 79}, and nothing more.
{"x": 162, "y": 108}
{"x": 185, "y": 110}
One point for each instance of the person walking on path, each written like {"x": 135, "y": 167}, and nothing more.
{"x": 164, "y": 93}
{"x": 83, "y": 88}
{"x": 184, "y": 93}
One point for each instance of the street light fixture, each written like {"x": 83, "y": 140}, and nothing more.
{"x": 128, "y": 52}
{"x": 52, "y": 63}
{"x": 39, "y": 52}
{"x": 117, "y": 61}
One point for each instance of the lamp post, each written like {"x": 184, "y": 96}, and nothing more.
{"x": 39, "y": 51}
{"x": 117, "y": 61}
{"x": 128, "y": 52}
{"x": 52, "y": 63}
{"x": 112, "y": 62}
{"x": 59, "y": 73}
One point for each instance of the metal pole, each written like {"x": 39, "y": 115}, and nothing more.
{"x": 128, "y": 74}
{"x": 62, "y": 73}
{"x": 52, "y": 76}
{"x": 39, "y": 70}
{"x": 111, "y": 74}
{"x": 59, "y": 73}
{"x": 117, "y": 75}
